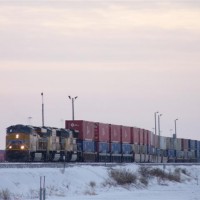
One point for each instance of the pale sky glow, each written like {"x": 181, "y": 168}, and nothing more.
{"x": 124, "y": 59}
{"x": 61, "y": 20}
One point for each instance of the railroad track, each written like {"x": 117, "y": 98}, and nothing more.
{"x": 53, "y": 165}
{"x": 66, "y": 165}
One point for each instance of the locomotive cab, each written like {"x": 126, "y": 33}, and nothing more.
{"x": 17, "y": 145}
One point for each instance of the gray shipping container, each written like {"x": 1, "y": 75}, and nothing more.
{"x": 191, "y": 154}
{"x": 143, "y": 149}
{"x": 177, "y": 144}
{"x": 169, "y": 143}
{"x": 136, "y": 148}
{"x": 163, "y": 142}
{"x": 180, "y": 154}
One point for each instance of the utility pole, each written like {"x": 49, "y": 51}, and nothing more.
{"x": 175, "y": 128}
{"x": 156, "y": 150}
{"x": 42, "y": 188}
{"x": 159, "y": 128}
{"x": 73, "y": 99}
{"x": 42, "y": 110}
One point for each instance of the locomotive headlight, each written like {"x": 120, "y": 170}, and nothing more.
{"x": 10, "y": 147}
{"x": 22, "y": 147}
{"x": 17, "y": 136}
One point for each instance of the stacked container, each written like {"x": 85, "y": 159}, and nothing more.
{"x": 102, "y": 138}
{"x": 136, "y": 137}
{"x": 185, "y": 148}
{"x": 85, "y": 129}
{"x": 144, "y": 156}
{"x": 115, "y": 139}
{"x": 163, "y": 148}
{"x": 127, "y": 140}
{"x": 136, "y": 143}
{"x": 184, "y": 144}
{"x": 192, "y": 154}
{"x": 86, "y": 137}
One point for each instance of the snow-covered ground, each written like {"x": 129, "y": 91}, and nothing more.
{"x": 91, "y": 183}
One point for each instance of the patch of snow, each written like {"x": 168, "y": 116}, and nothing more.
{"x": 88, "y": 183}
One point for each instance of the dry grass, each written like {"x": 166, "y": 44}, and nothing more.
{"x": 122, "y": 176}
{"x": 147, "y": 172}
{"x": 5, "y": 194}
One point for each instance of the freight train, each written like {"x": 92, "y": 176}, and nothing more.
{"x": 86, "y": 141}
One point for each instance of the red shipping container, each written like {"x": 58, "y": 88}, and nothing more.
{"x": 141, "y": 136}
{"x": 126, "y": 135}
{"x": 115, "y": 133}
{"x": 156, "y": 141}
{"x": 152, "y": 139}
{"x": 145, "y": 133}
{"x": 149, "y": 136}
{"x": 102, "y": 133}
{"x": 184, "y": 144}
{"x": 135, "y": 133}
{"x": 85, "y": 128}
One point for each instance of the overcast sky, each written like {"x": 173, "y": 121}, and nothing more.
{"x": 124, "y": 60}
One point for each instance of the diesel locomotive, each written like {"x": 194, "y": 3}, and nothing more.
{"x": 30, "y": 143}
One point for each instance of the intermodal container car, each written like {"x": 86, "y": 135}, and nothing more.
{"x": 102, "y": 133}
{"x": 85, "y": 128}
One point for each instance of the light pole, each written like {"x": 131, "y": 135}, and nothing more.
{"x": 159, "y": 128}
{"x": 42, "y": 109}
{"x": 155, "y": 116}
{"x": 159, "y": 124}
{"x": 73, "y": 99}
{"x": 175, "y": 128}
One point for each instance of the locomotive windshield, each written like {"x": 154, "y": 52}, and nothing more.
{"x": 19, "y": 129}
{"x": 17, "y": 142}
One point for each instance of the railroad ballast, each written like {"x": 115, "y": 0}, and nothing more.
{"x": 86, "y": 141}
